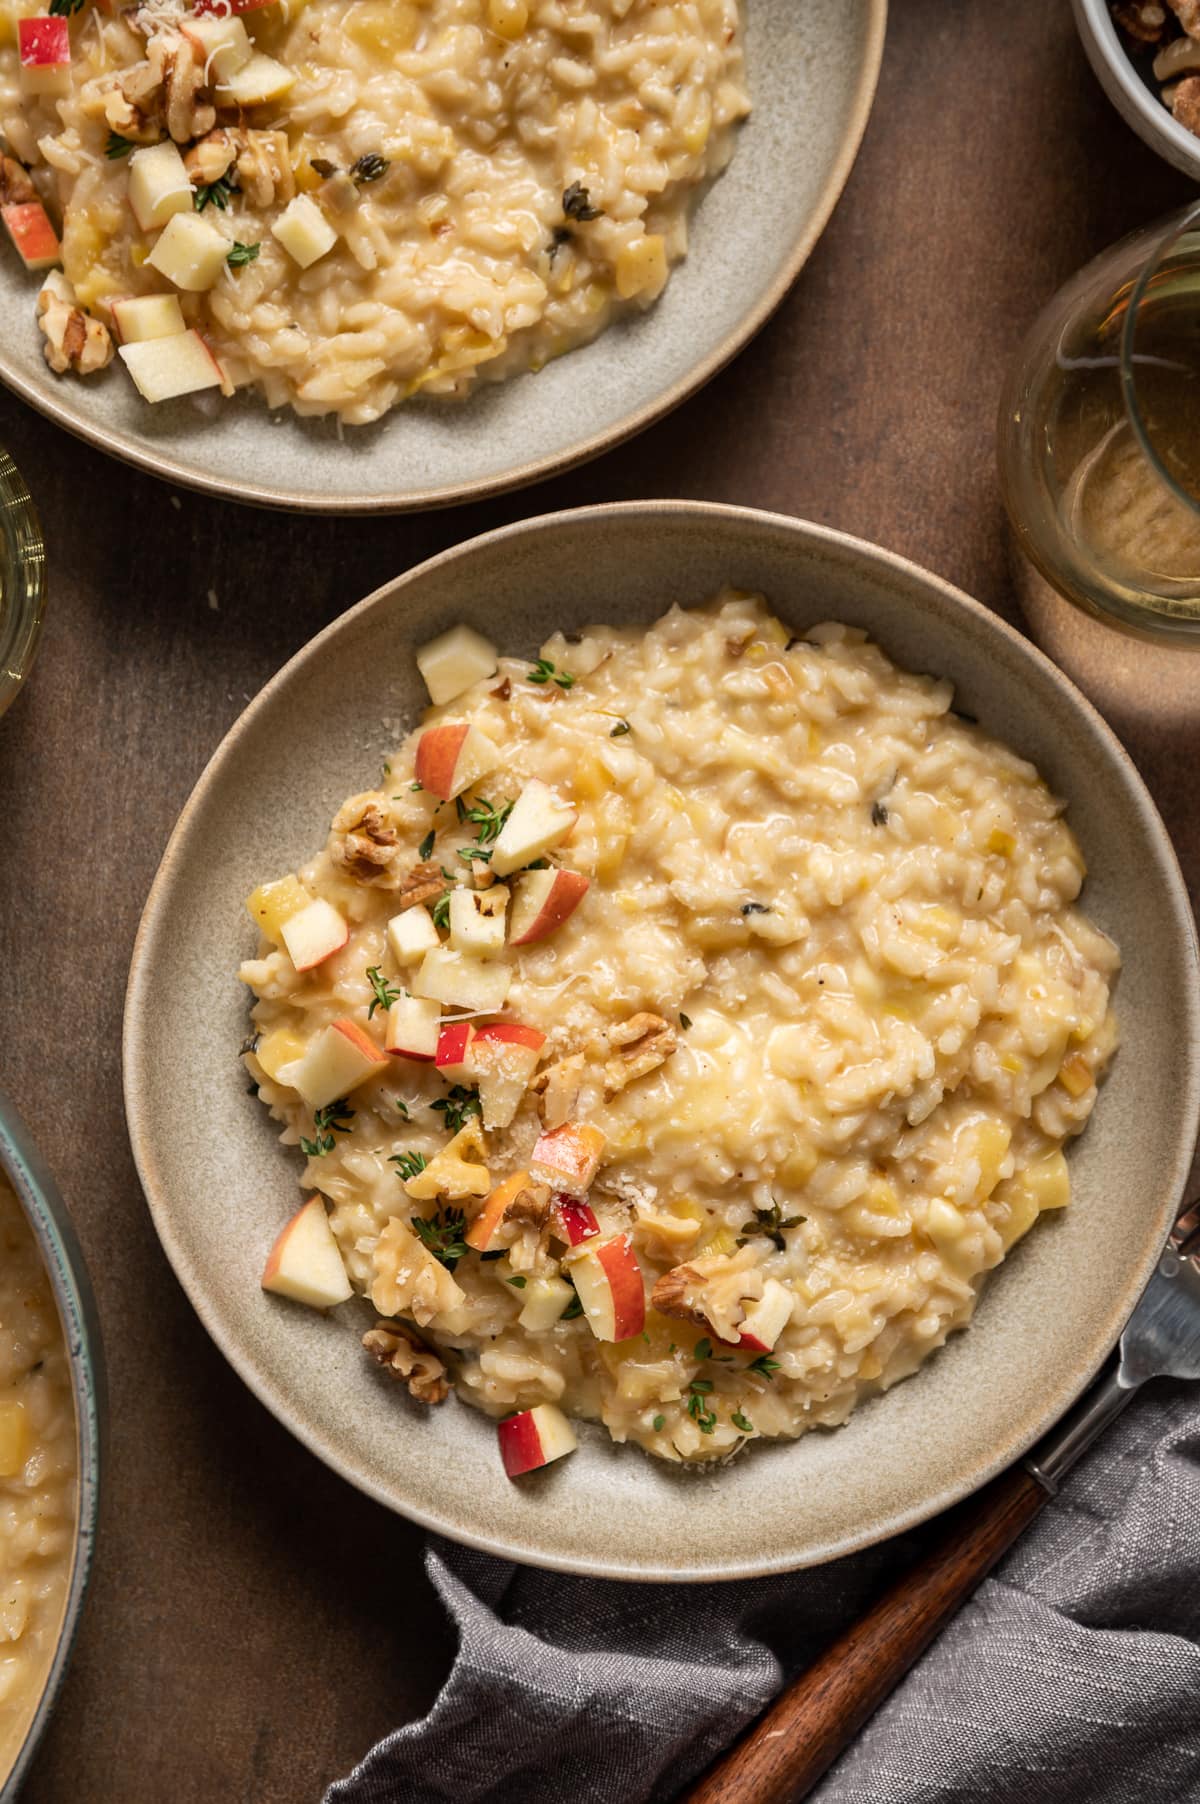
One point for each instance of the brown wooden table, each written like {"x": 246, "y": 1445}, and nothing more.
{"x": 255, "y": 1623}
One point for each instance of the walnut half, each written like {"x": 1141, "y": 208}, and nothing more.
{"x": 363, "y": 843}
{"x": 404, "y": 1356}
{"x": 74, "y": 341}
{"x": 638, "y": 1046}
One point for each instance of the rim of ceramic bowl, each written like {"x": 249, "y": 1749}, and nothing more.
{"x": 22, "y": 580}
{"x": 42, "y": 1201}
{"x": 153, "y": 458}
{"x": 262, "y": 1385}
{"x": 1095, "y": 25}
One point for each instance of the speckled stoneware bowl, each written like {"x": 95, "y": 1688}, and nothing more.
{"x": 219, "y": 1184}
{"x": 812, "y": 71}
{"x": 1127, "y": 87}
{"x": 25, "y": 1169}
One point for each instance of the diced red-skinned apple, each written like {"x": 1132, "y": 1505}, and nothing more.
{"x": 337, "y": 1061}
{"x": 542, "y": 901}
{"x": 483, "y": 1230}
{"x": 222, "y": 42}
{"x": 305, "y": 1262}
{"x": 540, "y": 820}
{"x": 545, "y": 1301}
{"x": 452, "y": 756}
{"x": 767, "y": 1318}
{"x": 413, "y": 1029}
{"x": 163, "y": 368}
{"x": 454, "y": 661}
{"x": 608, "y": 1282}
{"x": 138, "y": 317}
{"x": 576, "y": 1219}
{"x": 314, "y": 933}
{"x": 534, "y": 1438}
{"x": 190, "y": 252}
{"x": 159, "y": 186}
{"x": 568, "y": 1157}
{"x": 502, "y": 1060}
{"x": 28, "y": 225}
{"x": 458, "y": 981}
{"x": 411, "y": 934}
{"x": 453, "y": 1047}
{"x": 477, "y": 920}
{"x": 44, "y": 43}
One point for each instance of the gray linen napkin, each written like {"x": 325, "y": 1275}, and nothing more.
{"x": 1073, "y": 1675}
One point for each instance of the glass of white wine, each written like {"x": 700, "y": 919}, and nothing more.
{"x": 1099, "y": 435}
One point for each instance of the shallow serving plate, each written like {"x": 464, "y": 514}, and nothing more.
{"x": 813, "y": 65}
{"x": 219, "y": 1185}
{"x": 22, "y": 1164}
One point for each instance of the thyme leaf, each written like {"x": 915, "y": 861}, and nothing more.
{"x": 426, "y": 845}
{"x": 442, "y": 1235}
{"x": 384, "y": 992}
{"x": 545, "y": 672}
{"x": 335, "y": 1118}
{"x": 218, "y": 193}
{"x": 458, "y": 1107}
{"x": 241, "y": 254}
{"x": 408, "y": 1164}
{"x": 117, "y": 146}
{"x": 483, "y": 815}
{"x": 622, "y": 727}
{"x": 369, "y": 167}
{"x": 770, "y": 1222}
{"x": 742, "y": 1422}
{"x": 701, "y": 1412}
{"x": 765, "y": 1366}
{"x": 577, "y": 204}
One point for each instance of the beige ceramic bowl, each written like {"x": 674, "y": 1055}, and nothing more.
{"x": 812, "y": 69}
{"x": 219, "y": 1185}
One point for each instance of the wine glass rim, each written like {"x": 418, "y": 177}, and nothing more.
{"x": 1179, "y": 224}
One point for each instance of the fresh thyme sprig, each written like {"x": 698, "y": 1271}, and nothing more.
{"x": 241, "y": 254}
{"x": 217, "y": 193}
{"x": 334, "y": 1119}
{"x": 458, "y": 1107}
{"x": 408, "y": 1164}
{"x": 769, "y": 1222}
{"x": 483, "y": 815}
{"x": 384, "y": 992}
{"x": 442, "y": 1235}
{"x": 699, "y": 1409}
{"x": 765, "y": 1366}
{"x": 544, "y": 672}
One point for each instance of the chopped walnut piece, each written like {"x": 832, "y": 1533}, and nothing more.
{"x": 639, "y": 1045}
{"x": 408, "y": 1278}
{"x": 168, "y": 88}
{"x": 672, "y": 1295}
{"x": 403, "y": 1355}
{"x": 1142, "y": 20}
{"x": 74, "y": 341}
{"x": 532, "y": 1205}
{"x": 209, "y": 159}
{"x": 423, "y": 884}
{"x": 16, "y": 189}
{"x": 364, "y": 844}
{"x": 557, "y": 1089}
{"x": 122, "y": 116}
{"x": 1188, "y": 14}
{"x": 265, "y": 169}
{"x": 1185, "y": 103}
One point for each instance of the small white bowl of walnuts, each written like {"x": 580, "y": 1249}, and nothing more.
{"x": 1146, "y": 54}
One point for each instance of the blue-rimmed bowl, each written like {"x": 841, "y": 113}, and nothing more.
{"x": 21, "y": 1162}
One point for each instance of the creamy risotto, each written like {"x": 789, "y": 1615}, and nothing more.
{"x": 37, "y": 1476}
{"x": 347, "y": 204}
{"x": 679, "y": 1033}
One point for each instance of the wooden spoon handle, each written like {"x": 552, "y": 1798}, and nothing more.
{"x": 781, "y": 1758}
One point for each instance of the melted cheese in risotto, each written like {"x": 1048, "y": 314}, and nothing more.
{"x": 680, "y": 1032}
{"x": 354, "y": 203}
{"x": 37, "y": 1476}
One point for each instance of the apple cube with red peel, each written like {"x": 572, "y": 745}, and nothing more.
{"x": 540, "y": 820}
{"x": 477, "y": 920}
{"x": 28, "y": 225}
{"x": 138, "y": 317}
{"x": 483, "y": 1230}
{"x": 411, "y": 934}
{"x": 576, "y": 1219}
{"x": 568, "y": 1157}
{"x": 190, "y": 252}
{"x": 45, "y": 51}
{"x": 545, "y": 1301}
{"x": 503, "y": 1057}
{"x": 163, "y": 368}
{"x": 454, "y": 661}
{"x": 159, "y": 186}
{"x": 767, "y": 1318}
{"x": 542, "y": 901}
{"x": 305, "y": 1263}
{"x": 222, "y": 42}
{"x": 458, "y": 981}
{"x": 337, "y": 1061}
{"x": 413, "y": 1029}
{"x": 453, "y": 1046}
{"x": 315, "y": 932}
{"x": 608, "y": 1282}
{"x": 452, "y": 756}
{"x": 534, "y": 1438}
